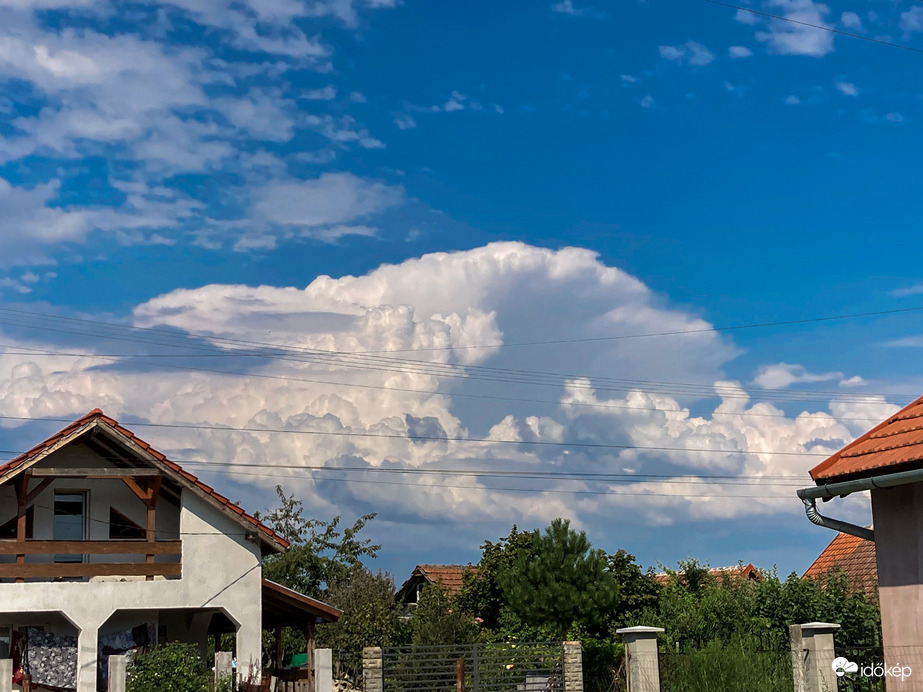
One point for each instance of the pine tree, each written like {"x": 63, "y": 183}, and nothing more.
{"x": 562, "y": 580}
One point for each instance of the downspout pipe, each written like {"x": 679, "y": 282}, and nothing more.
{"x": 830, "y": 490}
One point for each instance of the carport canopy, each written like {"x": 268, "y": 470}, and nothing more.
{"x": 283, "y": 607}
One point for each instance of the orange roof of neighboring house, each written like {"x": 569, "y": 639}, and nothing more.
{"x": 97, "y": 417}
{"x": 896, "y": 442}
{"x": 450, "y": 576}
{"x": 854, "y": 556}
{"x": 747, "y": 571}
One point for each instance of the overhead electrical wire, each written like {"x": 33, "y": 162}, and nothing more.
{"x": 361, "y": 385}
{"x": 821, "y": 27}
{"x": 431, "y": 438}
{"x": 413, "y": 366}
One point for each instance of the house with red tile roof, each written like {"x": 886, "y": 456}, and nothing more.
{"x": 852, "y": 556}
{"x": 106, "y": 545}
{"x": 449, "y": 576}
{"x": 741, "y": 571}
{"x": 888, "y": 462}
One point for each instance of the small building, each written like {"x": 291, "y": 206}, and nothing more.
{"x": 450, "y": 577}
{"x": 745, "y": 572}
{"x": 106, "y": 545}
{"x": 888, "y": 461}
{"x": 852, "y": 556}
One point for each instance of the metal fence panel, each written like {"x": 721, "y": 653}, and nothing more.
{"x": 519, "y": 667}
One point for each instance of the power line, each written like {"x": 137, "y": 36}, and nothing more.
{"x": 430, "y": 438}
{"x": 53, "y": 353}
{"x": 631, "y": 493}
{"x": 815, "y": 26}
{"x": 436, "y": 369}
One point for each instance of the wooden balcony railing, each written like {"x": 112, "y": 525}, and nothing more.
{"x": 52, "y": 570}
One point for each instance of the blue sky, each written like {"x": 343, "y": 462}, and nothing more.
{"x": 406, "y": 178}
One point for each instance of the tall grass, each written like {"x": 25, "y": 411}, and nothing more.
{"x": 736, "y": 666}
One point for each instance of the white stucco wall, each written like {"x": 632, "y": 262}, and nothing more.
{"x": 221, "y": 568}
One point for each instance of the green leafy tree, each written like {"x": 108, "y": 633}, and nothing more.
{"x": 371, "y": 615}
{"x": 167, "y": 668}
{"x": 320, "y": 553}
{"x": 563, "y": 580}
{"x": 437, "y": 620}
{"x": 638, "y": 590}
{"x": 481, "y": 593}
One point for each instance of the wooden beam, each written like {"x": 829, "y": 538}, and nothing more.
{"x": 30, "y": 498}
{"x": 153, "y": 491}
{"x": 140, "y": 492}
{"x": 104, "y": 473}
{"x": 278, "y": 633}
{"x": 123, "y": 547}
{"x": 80, "y": 569}
{"x": 22, "y": 494}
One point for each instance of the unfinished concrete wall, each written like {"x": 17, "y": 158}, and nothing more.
{"x": 898, "y": 517}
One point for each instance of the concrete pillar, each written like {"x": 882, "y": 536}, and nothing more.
{"x": 223, "y": 667}
{"x": 372, "y": 670}
{"x": 249, "y": 651}
{"x": 817, "y": 640}
{"x": 118, "y": 669}
{"x": 573, "y": 667}
{"x": 87, "y": 654}
{"x": 323, "y": 670}
{"x": 641, "y": 654}
{"x": 198, "y": 631}
{"x": 796, "y": 642}
{"x": 6, "y": 675}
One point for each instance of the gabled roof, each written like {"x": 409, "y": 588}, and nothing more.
{"x": 854, "y": 556}
{"x": 747, "y": 571}
{"x": 96, "y": 419}
{"x": 893, "y": 445}
{"x": 449, "y": 575}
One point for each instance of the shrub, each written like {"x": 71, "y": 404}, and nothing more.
{"x": 168, "y": 668}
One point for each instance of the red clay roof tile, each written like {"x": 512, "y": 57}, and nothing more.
{"x": 854, "y": 556}
{"x": 97, "y": 414}
{"x": 895, "y": 442}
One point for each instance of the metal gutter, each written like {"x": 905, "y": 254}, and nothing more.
{"x": 830, "y": 490}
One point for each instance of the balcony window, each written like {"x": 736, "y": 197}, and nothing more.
{"x": 70, "y": 521}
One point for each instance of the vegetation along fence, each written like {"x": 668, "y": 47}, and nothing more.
{"x": 724, "y": 668}
{"x": 519, "y": 667}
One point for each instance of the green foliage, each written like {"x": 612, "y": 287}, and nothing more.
{"x": 638, "y": 590}
{"x": 481, "y": 593}
{"x": 320, "y": 554}
{"x": 370, "y": 614}
{"x": 436, "y": 620}
{"x": 562, "y": 581}
{"x": 739, "y": 665}
{"x": 168, "y": 668}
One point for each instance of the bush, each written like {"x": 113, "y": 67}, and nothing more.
{"x": 168, "y": 668}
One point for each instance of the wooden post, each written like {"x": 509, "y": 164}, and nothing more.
{"x": 278, "y": 649}
{"x": 460, "y": 674}
{"x": 22, "y": 492}
{"x": 26, "y": 683}
{"x": 309, "y": 630}
{"x": 153, "y": 492}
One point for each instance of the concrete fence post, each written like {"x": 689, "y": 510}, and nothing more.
{"x": 323, "y": 670}
{"x": 817, "y": 640}
{"x": 796, "y": 642}
{"x": 118, "y": 673}
{"x": 641, "y": 655}
{"x": 573, "y": 667}
{"x": 373, "y": 679}
{"x": 6, "y": 675}
{"x": 224, "y": 667}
